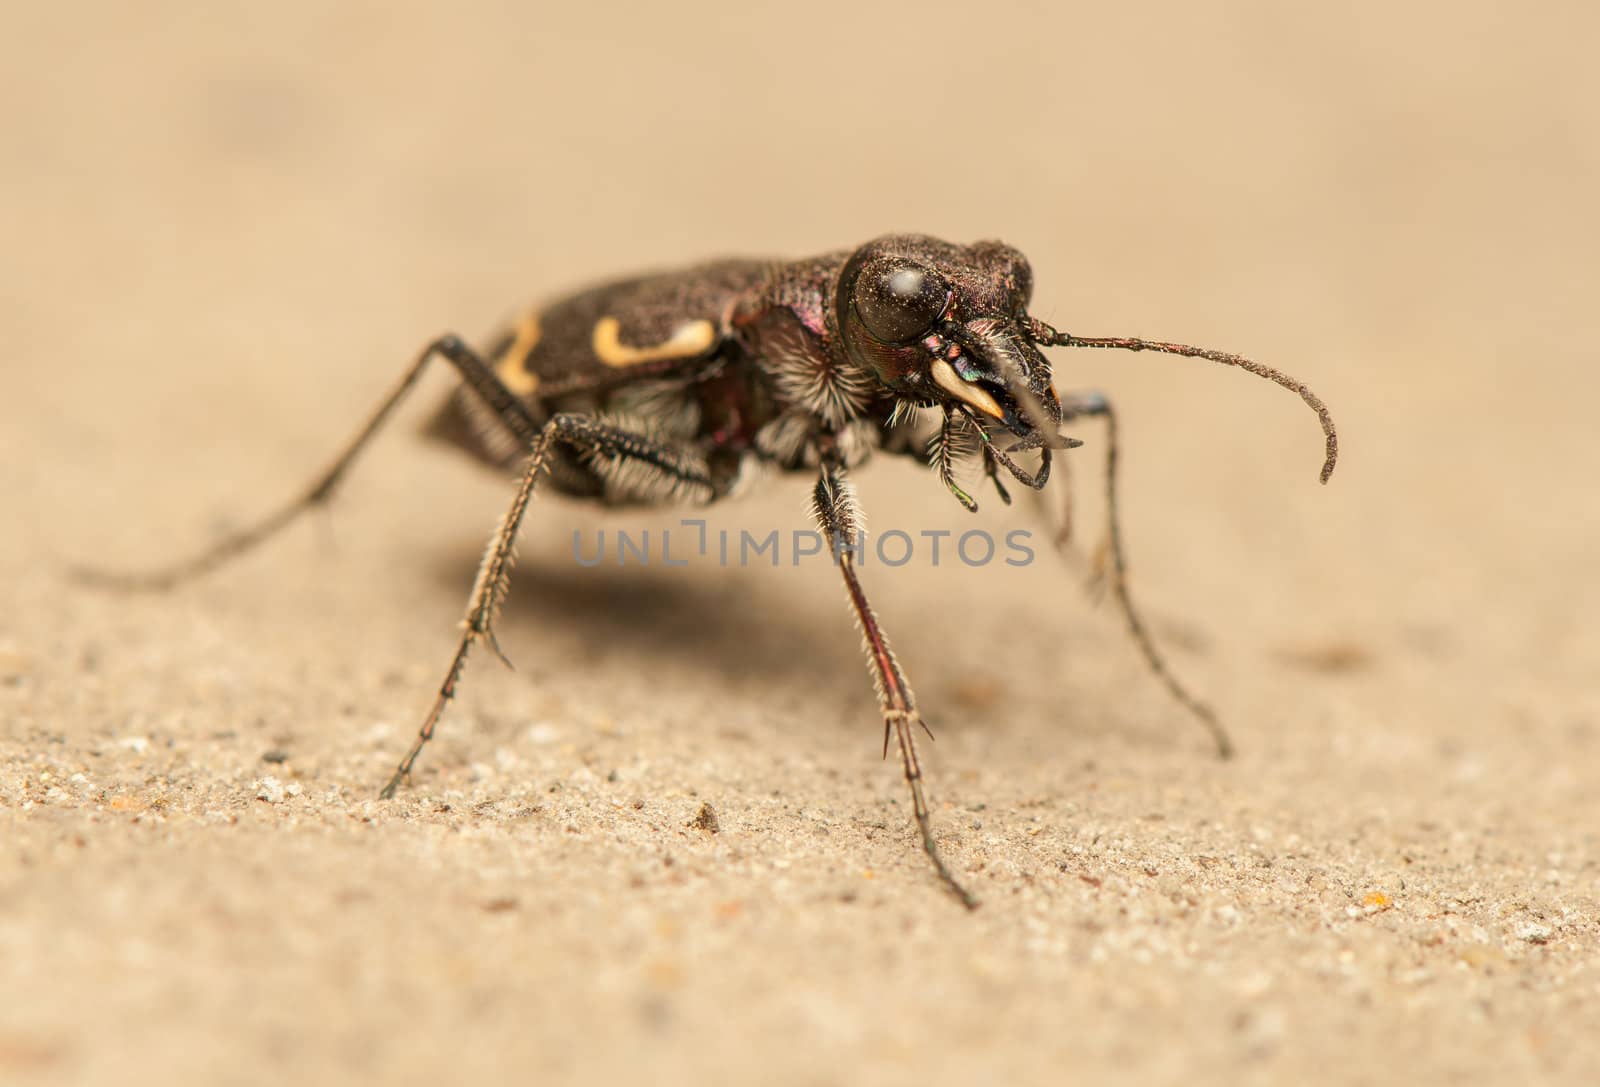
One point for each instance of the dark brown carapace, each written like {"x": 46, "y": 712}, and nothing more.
{"x": 695, "y": 384}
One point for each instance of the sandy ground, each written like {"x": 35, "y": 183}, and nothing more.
{"x": 225, "y": 230}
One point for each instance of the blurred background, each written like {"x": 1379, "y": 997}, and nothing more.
{"x": 227, "y": 227}
{"x": 264, "y": 211}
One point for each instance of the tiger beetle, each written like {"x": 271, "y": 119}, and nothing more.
{"x": 693, "y": 384}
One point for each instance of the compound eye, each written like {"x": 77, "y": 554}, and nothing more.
{"x": 1022, "y": 291}
{"x": 900, "y": 302}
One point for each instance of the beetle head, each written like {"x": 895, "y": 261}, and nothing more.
{"x": 946, "y": 325}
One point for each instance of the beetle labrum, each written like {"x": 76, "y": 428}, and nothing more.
{"x": 688, "y": 384}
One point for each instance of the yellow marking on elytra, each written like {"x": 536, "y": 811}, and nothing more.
{"x": 512, "y": 369}
{"x": 945, "y": 376}
{"x": 687, "y": 340}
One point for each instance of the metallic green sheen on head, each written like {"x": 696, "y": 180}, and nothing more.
{"x": 943, "y": 324}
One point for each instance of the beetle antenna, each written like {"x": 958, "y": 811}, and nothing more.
{"x": 1052, "y": 338}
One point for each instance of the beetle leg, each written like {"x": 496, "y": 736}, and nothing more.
{"x": 475, "y": 374}
{"x": 836, "y": 512}
{"x": 1063, "y": 536}
{"x": 588, "y": 436}
{"x": 1096, "y": 405}
{"x": 947, "y": 449}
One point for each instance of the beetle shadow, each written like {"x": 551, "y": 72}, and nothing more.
{"x": 688, "y": 627}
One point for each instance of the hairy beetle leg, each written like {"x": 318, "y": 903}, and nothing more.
{"x": 834, "y": 506}
{"x": 588, "y": 437}
{"x": 1110, "y": 567}
{"x": 474, "y": 373}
